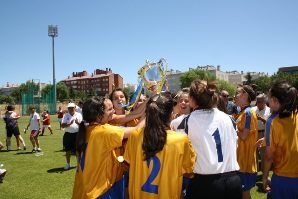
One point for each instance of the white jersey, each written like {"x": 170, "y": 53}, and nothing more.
{"x": 67, "y": 118}
{"x": 264, "y": 114}
{"x": 179, "y": 123}
{"x": 215, "y": 141}
{"x": 34, "y": 121}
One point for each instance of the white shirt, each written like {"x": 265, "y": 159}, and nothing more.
{"x": 34, "y": 121}
{"x": 264, "y": 114}
{"x": 78, "y": 109}
{"x": 67, "y": 118}
{"x": 175, "y": 123}
{"x": 214, "y": 140}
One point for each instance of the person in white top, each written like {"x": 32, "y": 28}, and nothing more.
{"x": 179, "y": 123}
{"x": 70, "y": 122}
{"x": 263, "y": 112}
{"x": 35, "y": 129}
{"x": 215, "y": 141}
{"x": 79, "y": 107}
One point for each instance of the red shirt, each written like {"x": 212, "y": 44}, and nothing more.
{"x": 46, "y": 119}
{"x": 60, "y": 114}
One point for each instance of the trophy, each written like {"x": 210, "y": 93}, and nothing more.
{"x": 152, "y": 76}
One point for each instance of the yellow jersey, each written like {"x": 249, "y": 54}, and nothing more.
{"x": 246, "y": 150}
{"x": 98, "y": 168}
{"x": 160, "y": 176}
{"x": 282, "y": 138}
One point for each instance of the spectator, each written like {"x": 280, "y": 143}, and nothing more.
{"x": 46, "y": 122}
{"x": 12, "y": 128}
{"x": 70, "y": 122}
{"x": 60, "y": 116}
{"x": 35, "y": 129}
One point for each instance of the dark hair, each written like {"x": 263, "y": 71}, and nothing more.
{"x": 92, "y": 109}
{"x": 31, "y": 107}
{"x": 118, "y": 89}
{"x": 158, "y": 116}
{"x": 204, "y": 93}
{"x": 10, "y": 108}
{"x": 286, "y": 96}
{"x": 221, "y": 105}
{"x": 250, "y": 92}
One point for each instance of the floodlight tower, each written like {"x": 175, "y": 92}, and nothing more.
{"x": 53, "y": 32}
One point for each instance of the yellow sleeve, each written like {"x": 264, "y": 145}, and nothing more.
{"x": 129, "y": 147}
{"x": 189, "y": 157}
{"x": 114, "y": 137}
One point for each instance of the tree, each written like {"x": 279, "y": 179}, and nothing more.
{"x": 263, "y": 84}
{"x": 6, "y": 99}
{"x": 248, "y": 79}
{"x": 91, "y": 92}
{"x": 194, "y": 74}
{"x": 224, "y": 85}
{"x": 62, "y": 91}
{"x": 72, "y": 93}
{"x": 29, "y": 86}
{"x": 291, "y": 78}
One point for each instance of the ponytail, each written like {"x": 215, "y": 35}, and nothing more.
{"x": 158, "y": 114}
{"x": 81, "y": 138}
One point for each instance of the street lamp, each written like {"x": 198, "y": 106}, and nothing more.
{"x": 53, "y": 32}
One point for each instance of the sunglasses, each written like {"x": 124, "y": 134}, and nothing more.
{"x": 225, "y": 95}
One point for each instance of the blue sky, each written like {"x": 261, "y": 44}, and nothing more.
{"x": 239, "y": 35}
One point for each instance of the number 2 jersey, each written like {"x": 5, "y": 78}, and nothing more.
{"x": 160, "y": 176}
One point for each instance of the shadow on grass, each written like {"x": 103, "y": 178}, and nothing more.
{"x": 59, "y": 170}
{"x": 60, "y": 151}
{"x": 23, "y": 153}
{"x": 8, "y": 151}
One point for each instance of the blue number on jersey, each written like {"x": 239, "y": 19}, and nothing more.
{"x": 82, "y": 159}
{"x": 148, "y": 186}
{"x": 217, "y": 140}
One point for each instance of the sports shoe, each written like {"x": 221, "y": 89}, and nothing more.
{"x": 67, "y": 166}
{"x": 19, "y": 148}
{"x": 24, "y": 148}
{"x": 2, "y": 174}
{"x": 33, "y": 150}
{"x": 38, "y": 149}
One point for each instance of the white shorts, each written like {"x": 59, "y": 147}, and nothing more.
{"x": 60, "y": 120}
{"x": 46, "y": 126}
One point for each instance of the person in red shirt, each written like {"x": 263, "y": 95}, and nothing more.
{"x": 60, "y": 116}
{"x": 46, "y": 122}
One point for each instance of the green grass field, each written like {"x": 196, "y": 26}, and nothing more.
{"x": 30, "y": 176}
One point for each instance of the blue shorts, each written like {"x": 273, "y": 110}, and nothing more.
{"x": 284, "y": 187}
{"x": 248, "y": 180}
{"x": 117, "y": 191}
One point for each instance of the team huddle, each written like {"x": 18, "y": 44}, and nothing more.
{"x": 199, "y": 152}
{"x": 192, "y": 144}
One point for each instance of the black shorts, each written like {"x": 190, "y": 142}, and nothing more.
{"x": 12, "y": 131}
{"x": 225, "y": 185}
{"x": 69, "y": 141}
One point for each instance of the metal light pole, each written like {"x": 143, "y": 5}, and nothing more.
{"x": 53, "y": 32}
